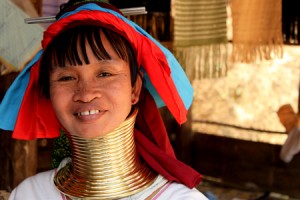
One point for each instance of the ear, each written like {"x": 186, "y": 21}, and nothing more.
{"x": 136, "y": 90}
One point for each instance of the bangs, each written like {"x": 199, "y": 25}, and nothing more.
{"x": 69, "y": 48}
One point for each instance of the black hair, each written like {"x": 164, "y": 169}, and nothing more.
{"x": 69, "y": 47}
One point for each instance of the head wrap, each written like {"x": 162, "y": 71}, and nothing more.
{"x": 30, "y": 115}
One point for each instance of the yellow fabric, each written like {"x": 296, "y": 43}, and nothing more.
{"x": 257, "y": 31}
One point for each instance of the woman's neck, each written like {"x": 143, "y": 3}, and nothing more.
{"x": 105, "y": 167}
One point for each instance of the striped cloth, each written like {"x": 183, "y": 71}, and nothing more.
{"x": 51, "y": 7}
{"x": 257, "y": 31}
{"x": 200, "y": 37}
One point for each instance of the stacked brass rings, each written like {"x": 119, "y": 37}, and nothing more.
{"x": 105, "y": 167}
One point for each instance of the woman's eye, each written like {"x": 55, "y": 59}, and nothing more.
{"x": 104, "y": 74}
{"x": 66, "y": 78}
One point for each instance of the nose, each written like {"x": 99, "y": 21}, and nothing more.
{"x": 86, "y": 91}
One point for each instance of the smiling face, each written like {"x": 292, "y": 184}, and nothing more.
{"x": 93, "y": 99}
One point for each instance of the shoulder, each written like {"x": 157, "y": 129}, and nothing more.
{"x": 39, "y": 186}
{"x": 176, "y": 191}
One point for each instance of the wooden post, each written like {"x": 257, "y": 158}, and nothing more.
{"x": 18, "y": 158}
{"x": 298, "y": 109}
{"x": 5, "y": 160}
{"x": 184, "y": 140}
{"x": 181, "y": 136}
{"x": 24, "y": 160}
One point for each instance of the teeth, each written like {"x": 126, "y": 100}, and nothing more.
{"x": 90, "y": 112}
{"x": 84, "y": 113}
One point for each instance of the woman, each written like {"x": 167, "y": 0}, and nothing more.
{"x": 100, "y": 78}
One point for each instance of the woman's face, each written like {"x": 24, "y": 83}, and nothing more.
{"x": 93, "y": 99}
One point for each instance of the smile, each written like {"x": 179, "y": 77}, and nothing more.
{"x": 89, "y": 112}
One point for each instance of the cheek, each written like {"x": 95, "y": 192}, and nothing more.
{"x": 121, "y": 92}
{"x": 59, "y": 99}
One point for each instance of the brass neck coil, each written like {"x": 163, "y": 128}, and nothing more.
{"x": 105, "y": 167}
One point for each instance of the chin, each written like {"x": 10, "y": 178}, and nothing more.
{"x": 91, "y": 131}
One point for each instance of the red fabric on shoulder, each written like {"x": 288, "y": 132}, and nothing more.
{"x": 152, "y": 143}
{"x": 150, "y": 123}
